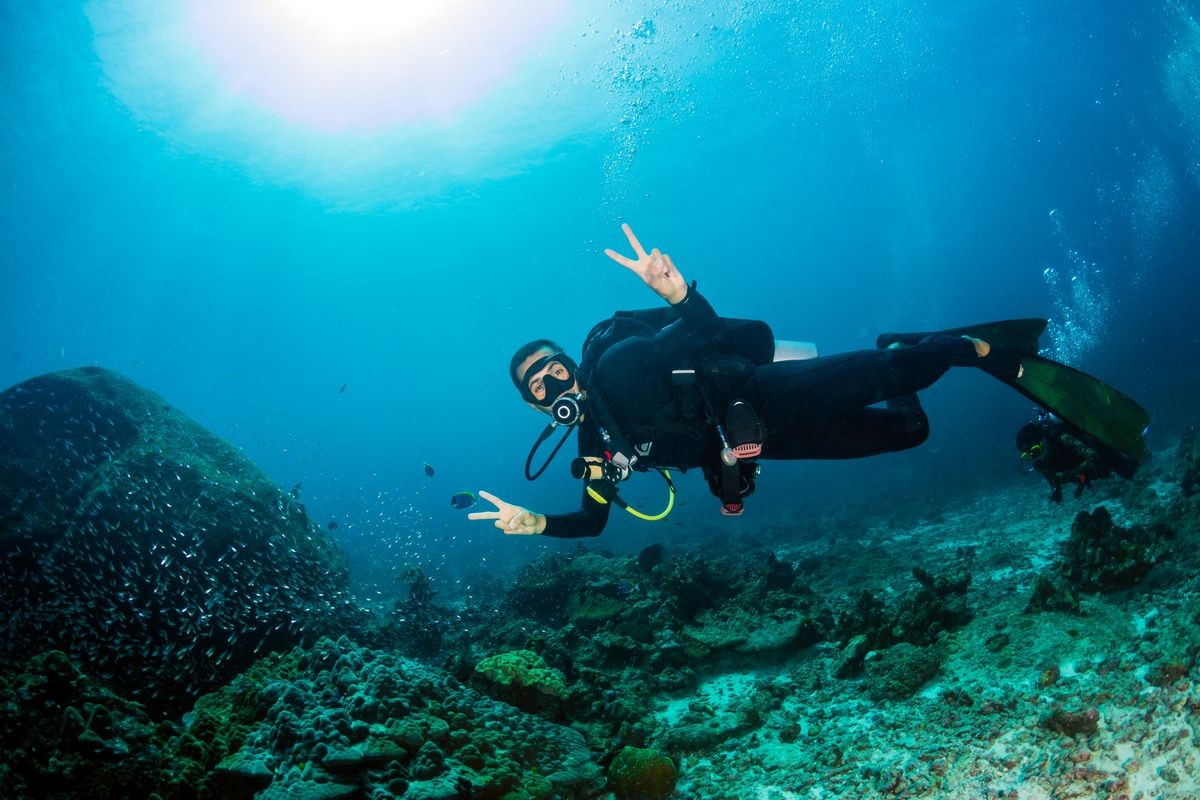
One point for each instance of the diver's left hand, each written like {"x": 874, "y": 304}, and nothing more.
{"x": 655, "y": 268}
{"x": 513, "y": 520}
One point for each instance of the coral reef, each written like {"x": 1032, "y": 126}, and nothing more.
{"x": 522, "y": 678}
{"x": 340, "y": 720}
{"x": 336, "y": 720}
{"x": 1053, "y": 594}
{"x": 620, "y": 636}
{"x": 64, "y": 735}
{"x": 1096, "y": 702}
{"x": 1099, "y": 556}
{"x": 203, "y": 758}
{"x": 1048, "y": 655}
{"x": 640, "y": 774}
{"x": 417, "y": 624}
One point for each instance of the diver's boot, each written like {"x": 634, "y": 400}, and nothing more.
{"x": 996, "y": 360}
{"x": 982, "y": 348}
{"x": 963, "y": 351}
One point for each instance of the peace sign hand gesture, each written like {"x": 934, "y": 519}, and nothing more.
{"x": 513, "y": 520}
{"x": 655, "y": 268}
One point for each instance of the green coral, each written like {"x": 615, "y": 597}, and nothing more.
{"x": 524, "y": 669}
{"x": 221, "y": 722}
{"x": 639, "y": 774}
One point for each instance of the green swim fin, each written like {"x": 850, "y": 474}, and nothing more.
{"x": 1086, "y": 402}
{"x": 1018, "y": 336}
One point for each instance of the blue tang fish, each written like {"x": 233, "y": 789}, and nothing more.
{"x": 463, "y": 500}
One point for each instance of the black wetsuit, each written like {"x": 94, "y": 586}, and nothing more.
{"x": 816, "y": 409}
{"x": 1072, "y": 456}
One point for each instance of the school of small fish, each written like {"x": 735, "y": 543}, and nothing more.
{"x": 154, "y": 554}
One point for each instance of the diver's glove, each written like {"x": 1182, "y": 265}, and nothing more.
{"x": 1084, "y": 482}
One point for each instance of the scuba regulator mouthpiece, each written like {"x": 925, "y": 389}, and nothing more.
{"x": 567, "y": 410}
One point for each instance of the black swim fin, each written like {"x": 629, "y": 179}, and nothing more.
{"x": 1086, "y": 402}
{"x": 1018, "y": 336}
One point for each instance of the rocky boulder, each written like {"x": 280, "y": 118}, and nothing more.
{"x": 1101, "y": 556}
{"x": 151, "y": 552}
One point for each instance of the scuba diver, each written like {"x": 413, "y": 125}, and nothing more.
{"x": 682, "y": 387}
{"x": 1064, "y": 454}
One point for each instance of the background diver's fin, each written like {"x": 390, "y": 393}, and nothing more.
{"x": 1018, "y": 336}
{"x": 1086, "y": 402}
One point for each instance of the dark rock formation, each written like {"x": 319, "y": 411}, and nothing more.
{"x": 1052, "y": 595}
{"x": 919, "y": 618}
{"x": 1189, "y": 459}
{"x": 703, "y": 727}
{"x": 1072, "y": 723}
{"x": 152, "y": 553}
{"x": 1100, "y": 556}
{"x": 897, "y": 672}
{"x": 650, "y": 557}
{"x": 694, "y": 583}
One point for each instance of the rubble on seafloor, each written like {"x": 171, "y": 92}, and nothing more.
{"x": 1093, "y": 700}
{"x": 1011, "y": 648}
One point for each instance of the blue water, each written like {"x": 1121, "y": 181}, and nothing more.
{"x": 835, "y": 168}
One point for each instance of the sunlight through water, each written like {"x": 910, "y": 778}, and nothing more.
{"x": 362, "y": 104}
{"x": 371, "y": 104}
{"x": 365, "y": 64}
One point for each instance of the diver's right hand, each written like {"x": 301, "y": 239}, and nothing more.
{"x": 656, "y": 269}
{"x": 513, "y": 520}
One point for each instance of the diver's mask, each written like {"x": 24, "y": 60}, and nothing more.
{"x": 554, "y": 385}
{"x": 565, "y": 409}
